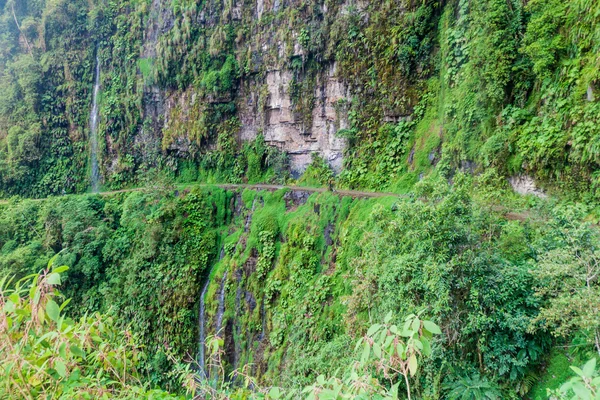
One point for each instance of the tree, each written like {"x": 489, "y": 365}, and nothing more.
{"x": 568, "y": 278}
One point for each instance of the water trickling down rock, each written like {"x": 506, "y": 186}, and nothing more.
{"x": 201, "y": 359}
{"x": 95, "y": 170}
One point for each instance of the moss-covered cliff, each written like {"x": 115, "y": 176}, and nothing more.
{"x": 394, "y": 88}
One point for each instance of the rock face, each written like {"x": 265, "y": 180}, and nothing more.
{"x": 273, "y": 116}
{"x": 524, "y": 185}
{"x": 299, "y": 124}
{"x": 283, "y": 128}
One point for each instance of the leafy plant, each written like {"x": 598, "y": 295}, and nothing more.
{"x": 584, "y": 386}
{"x": 472, "y": 387}
{"x": 46, "y": 354}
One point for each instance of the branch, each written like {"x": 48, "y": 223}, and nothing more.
{"x": 12, "y": 6}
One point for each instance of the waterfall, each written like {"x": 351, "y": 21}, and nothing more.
{"x": 221, "y": 308}
{"x": 202, "y": 318}
{"x": 201, "y": 350}
{"x": 95, "y": 171}
{"x": 238, "y": 309}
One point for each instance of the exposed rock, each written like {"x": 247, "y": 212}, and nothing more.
{"x": 263, "y": 97}
{"x": 524, "y": 185}
{"x": 295, "y": 198}
{"x": 250, "y": 301}
{"x": 250, "y": 264}
{"x": 329, "y": 229}
{"x": 280, "y": 125}
{"x": 468, "y": 166}
{"x": 590, "y": 93}
{"x": 160, "y": 19}
{"x": 260, "y": 8}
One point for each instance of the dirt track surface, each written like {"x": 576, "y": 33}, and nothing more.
{"x": 356, "y": 194}
{"x": 344, "y": 193}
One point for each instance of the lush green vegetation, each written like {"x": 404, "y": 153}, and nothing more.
{"x": 302, "y": 278}
{"x": 448, "y": 99}
{"x": 451, "y": 84}
{"x": 48, "y": 355}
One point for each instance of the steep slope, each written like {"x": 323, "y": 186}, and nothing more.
{"x": 396, "y": 89}
{"x": 294, "y": 278}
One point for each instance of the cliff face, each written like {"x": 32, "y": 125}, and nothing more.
{"x": 385, "y": 92}
{"x": 184, "y": 84}
{"x": 283, "y": 127}
{"x": 274, "y": 116}
{"x": 298, "y": 110}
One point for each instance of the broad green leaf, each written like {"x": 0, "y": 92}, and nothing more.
{"x": 327, "y": 394}
{"x": 377, "y": 350}
{"x": 388, "y": 341}
{"x": 394, "y": 390}
{"x": 388, "y": 318}
{"x": 321, "y": 379}
{"x": 400, "y": 349}
{"x": 62, "y": 350}
{"x": 41, "y": 315}
{"x": 53, "y": 279}
{"x": 51, "y": 262}
{"x": 406, "y": 332}
{"x": 418, "y": 344}
{"x": 365, "y": 354}
{"x": 581, "y": 391}
{"x": 358, "y": 344}
{"x": 589, "y": 368}
{"x": 52, "y": 310}
{"x": 426, "y": 346}
{"x": 9, "y": 307}
{"x": 577, "y": 370}
{"x": 382, "y": 337}
{"x": 275, "y": 393}
{"x": 431, "y": 327}
{"x": 77, "y": 351}
{"x": 60, "y": 368}
{"x": 64, "y": 304}
{"x": 412, "y": 364}
{"x": 36, "y": 296}
{"x": 59, "y": 270}
{"x": 373, "y": 329}
{"x": 416, "y": 324}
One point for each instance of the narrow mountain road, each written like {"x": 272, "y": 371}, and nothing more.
{"x": 356, "y": 194}
{"x": 340, "y": 192}
{"x": 344, "y": 193}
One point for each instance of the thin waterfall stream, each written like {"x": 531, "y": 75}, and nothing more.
{"x": 95, "y": 170}
{"x": 221, "y": 308}
{"x": 202, "y": 318}
{"x": 202, "y": 339}
{"x": 201, "y": 359}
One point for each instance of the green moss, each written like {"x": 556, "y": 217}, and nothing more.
{"x": 556, "y": 373}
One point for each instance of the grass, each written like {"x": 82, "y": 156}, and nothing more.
{"x": 556, "y": 373}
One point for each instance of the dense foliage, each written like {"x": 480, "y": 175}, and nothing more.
{"x": 45, "y": 354}
{"x": 447, "y": 84}
{"x": 445, "y": 100}
{"x": 298, "y": 278}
